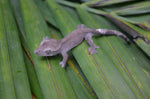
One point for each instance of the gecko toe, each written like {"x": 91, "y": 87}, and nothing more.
{"x": 62, "y": 64}
{"x": 95, "y": 52}
{"x": 97, "y": 47}
{"x": 92, "y": 50}
{"x": 89, "y": 49}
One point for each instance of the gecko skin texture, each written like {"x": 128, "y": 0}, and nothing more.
{"x": 51, "y": 47}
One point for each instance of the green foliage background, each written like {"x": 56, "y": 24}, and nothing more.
{"x": 119, "y": 70}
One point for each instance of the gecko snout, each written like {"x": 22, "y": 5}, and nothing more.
{"x": 36, "y": 51}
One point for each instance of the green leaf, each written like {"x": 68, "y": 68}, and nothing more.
{"x": 98, "y": 3}
{"x": 20, "y": 78}
{"x": 144, "y": 46}
{"x": 67, "y": 24}
{"x": 129, "y": 72}
{"x": 48, "y": 72}
{"x": 137, "y": 33}
{"x": 77, "y": 78}
{"x": 43, "y": 7}
{"x": 118, "y": 74}
{"x": 34, "y": 83}
{"x": 118, "y": 70}
{"x": 7, "y": 90}
{"x": 135, "y": 8}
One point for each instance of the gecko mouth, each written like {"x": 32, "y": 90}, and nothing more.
{"x": 37, "y": 52}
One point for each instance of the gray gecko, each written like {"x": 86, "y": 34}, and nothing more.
{"x": 51, "y": 47}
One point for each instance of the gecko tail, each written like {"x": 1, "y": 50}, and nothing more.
{"x": 112, "y": 32}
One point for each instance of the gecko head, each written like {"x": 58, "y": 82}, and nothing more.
{"x": 48, "y": 47}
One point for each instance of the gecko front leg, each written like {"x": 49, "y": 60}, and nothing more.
{"x": 89, "y": 40}
{"x": 65, "y": 57}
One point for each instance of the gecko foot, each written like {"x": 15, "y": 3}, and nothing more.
{"x": 92, "y": 50}
{"x": 62, "y": 64}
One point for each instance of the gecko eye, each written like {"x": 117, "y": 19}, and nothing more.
{"x": 48, "y": 52}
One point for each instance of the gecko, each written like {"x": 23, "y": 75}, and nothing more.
{"x": 52, "y": 47}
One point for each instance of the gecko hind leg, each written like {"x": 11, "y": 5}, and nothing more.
{"x": 89, "y": 40}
